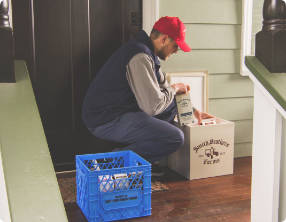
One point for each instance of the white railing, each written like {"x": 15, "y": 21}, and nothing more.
{"x": 267, "y": 201}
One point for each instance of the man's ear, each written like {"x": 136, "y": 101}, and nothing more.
{"x": 164, "y": 38}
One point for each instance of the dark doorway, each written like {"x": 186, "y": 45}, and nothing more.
{"x": 64, "y": 44}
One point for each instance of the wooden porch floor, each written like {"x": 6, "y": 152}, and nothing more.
{"x": 223, "y": 199}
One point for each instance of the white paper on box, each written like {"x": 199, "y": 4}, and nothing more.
{"x": 121, "y": 181}
{"x": 209, "y": 121}
{"x": 106, "y": 183}
{"x": 207, "y": 151}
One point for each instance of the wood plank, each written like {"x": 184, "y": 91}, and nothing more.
{"x": 232, "y": 108}
{"x": 111, "y": 24}
{"x": 229, "y": 85}
{"x": 106, "y": 35}
{"x": 242, "y": 149}
{"x": 54, "y": 45}
{"x": 222, "y": 12}
{"x": 243, "y": 131}
{"x": 53, "y": 62}
{"x": 80, "y": 58}
{"x": 215, "y": 61}
{"x": 222, "y": 36}
{"x": 131, "y": 13}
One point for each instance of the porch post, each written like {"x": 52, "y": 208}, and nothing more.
{"x": 270, "y": 46}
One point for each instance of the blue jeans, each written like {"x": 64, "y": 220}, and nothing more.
{"x": 150, "y": 137}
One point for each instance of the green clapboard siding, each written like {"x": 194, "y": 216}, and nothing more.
{"x": 215, "y": 61}
{"x": 213, "y": 36}
{"x": 203, "y": 11}
{"x": 243, "y": 131}
{"x": 257, "y": 19}
{"x": 229, "y": 85}
{"x": 242, "y": 149}
{"x": 232, "y": 108}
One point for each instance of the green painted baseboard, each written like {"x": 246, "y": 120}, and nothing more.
{"x": 32, "y": 188}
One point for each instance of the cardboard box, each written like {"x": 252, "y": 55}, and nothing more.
{"x": 207, "y": 152}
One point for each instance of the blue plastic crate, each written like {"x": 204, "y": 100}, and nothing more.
{"x": 113, "y": 186}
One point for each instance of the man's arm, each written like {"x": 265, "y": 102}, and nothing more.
{"x": 152, "y": 97}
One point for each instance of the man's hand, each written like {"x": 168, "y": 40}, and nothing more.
{"x": 201, "y": 115}
{"x": 180, "y": 88}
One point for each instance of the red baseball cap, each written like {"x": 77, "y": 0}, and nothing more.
{"x": 174, "y": 28}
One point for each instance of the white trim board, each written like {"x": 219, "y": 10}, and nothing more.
{"x": 266, "y": 155}
{"x": 197, "y": 80}
{"x": 150, "y": 14}
{"x": 5, "y": 215}
{"x": 246, "y": 33}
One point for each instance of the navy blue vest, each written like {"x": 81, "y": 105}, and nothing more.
{"x": 109, "y": 94}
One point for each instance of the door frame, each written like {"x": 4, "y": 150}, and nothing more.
{"x": 150, "y": 14}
